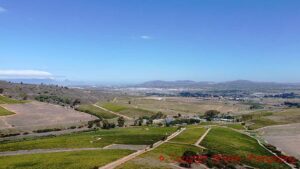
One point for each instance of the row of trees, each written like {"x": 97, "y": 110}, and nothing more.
{"x": 105, "y": 124}
{"x": 58, "y": 100}
{"x": 139, "y": 121}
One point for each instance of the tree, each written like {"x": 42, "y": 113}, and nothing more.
{"x": 105, "y": 124}
{"x": 97, "y": 122}
{"x": 211, "y": 114}
{"x": 121, "y": 121}
{"x": 24, "y": 96}
{"x": 75, "y": 102}
{"x": 90, "y": 124}
{"x": 1, "y": 90}
{"x": 158, "y": 115}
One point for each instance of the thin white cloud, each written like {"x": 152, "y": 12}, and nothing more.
{"x": 36, "y": 74}
{"x": 2, "y": 9}
{"x": 146, "y": 37}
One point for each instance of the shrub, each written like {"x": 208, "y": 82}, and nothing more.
{"x": 9, "y": 135}
{"x": 188, "y": 158}
{"x": 46, "y": 130}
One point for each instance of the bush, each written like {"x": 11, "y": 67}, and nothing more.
{"x": 187, "y": 121}
{"x": 188, "y": 158}
{"x": 211, "y": 114}
{"x": 107, "y": 125}
{"x": 297, "y": 165}
{"x": 121, "y": 121}
{"x": 72, "y": 127}
{"x": 46, "y": 130}
{"x": 10, "y": 135}
{"x": 90, "y": 124}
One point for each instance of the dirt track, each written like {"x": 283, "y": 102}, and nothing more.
{"x": 118, "y": 114}
{"x": 133, "y": 155}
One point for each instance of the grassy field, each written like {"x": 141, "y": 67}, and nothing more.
{"x": 65, "y": 160}
{"x": 114, "y": 107}
{"x": 229, "y": 142}
{"x": 236, "y": 126}
{"x": 286, "y": 116}
{"x": 127, "y": 110}
{"x": 151, "y": 160}
{"x": 262, "y": 122}
{"x": 90, "y": 109}
{"x": 170, "y": 152}
{"x": 5, "y": 100}
{"x": 189, "y": 136}
{"x": 175, "y": 105}
{"x": 4, "y": 112}
{"x": 100, "y": 138}
{"x": 261, "y": 119}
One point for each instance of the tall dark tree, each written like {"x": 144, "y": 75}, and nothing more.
{"x": 75, "y": 102}
{"x": 121, "y": 121}
{"x": 158, "y": 115}
{"x": 105, "y": 124}
{"x": 211, "y": 114}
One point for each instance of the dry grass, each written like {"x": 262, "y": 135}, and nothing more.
{"x": 181, "y": 105}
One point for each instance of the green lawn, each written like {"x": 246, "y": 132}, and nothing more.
{"x": 4, "y": 112}
{"x": 114, "y": 107}
{"x": 261, "y": 119}
{"x": 229, "y": 142}
{"x": 190, "y": 135}
{"x": 93, "y": 110}
{"x": 63, "y": 160}
{"x": 236, "y": 126}
{"x": 100, "y": 138}
{"x": 151, "y": 160}
{"x": 128, "y": 111}
{"x": 5, "y": 100}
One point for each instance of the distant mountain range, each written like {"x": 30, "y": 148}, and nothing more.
{"x": 231, "y": 85}
{"x": 238, "y": 84}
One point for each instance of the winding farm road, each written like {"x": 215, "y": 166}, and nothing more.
{"x": 118, "y": 114}
{"x": 202, "y": 138}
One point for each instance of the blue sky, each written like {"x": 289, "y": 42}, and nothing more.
{"x": 140, "y": 40}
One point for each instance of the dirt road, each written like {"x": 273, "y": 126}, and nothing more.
{"x": 202, "y": 138}
{"x": 118, "y": 114}
{"x": 133, "y": 155}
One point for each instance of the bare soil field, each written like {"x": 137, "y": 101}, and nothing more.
{"x": 284, "y": 137}
{"x": 37, "y": 115}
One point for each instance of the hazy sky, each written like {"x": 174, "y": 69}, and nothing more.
{"x": 139, "y": 40}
